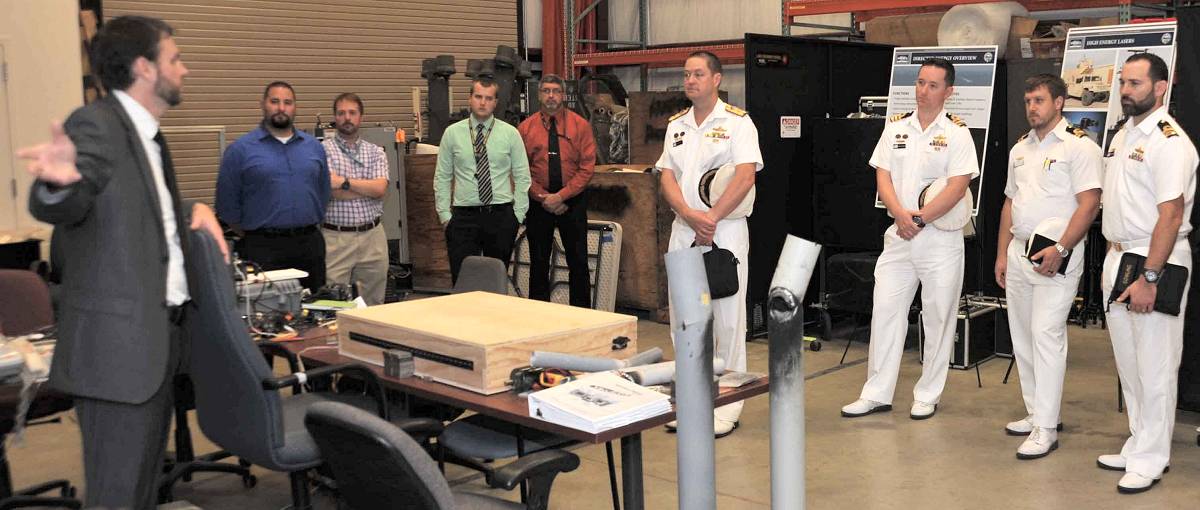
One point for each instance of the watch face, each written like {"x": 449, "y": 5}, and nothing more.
{"x": 1151, "y": 275}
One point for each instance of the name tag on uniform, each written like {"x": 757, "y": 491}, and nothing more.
{"x": 901, "y": 142}
{"x": 1019, "y": 162}
{"x": 678, "y": 139}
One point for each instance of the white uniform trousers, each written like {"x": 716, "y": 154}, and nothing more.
{"x": 1037, "y": 322}
{"x": 729, "y": 314}
{"x": 1147, "y": 347}
{"x": 934, "y": 260}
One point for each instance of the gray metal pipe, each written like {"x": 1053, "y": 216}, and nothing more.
{"x": 786, "y": 345}
{"x": 662, "y": 373}
{"x": 692, "y": 307}
{"x": 575, "y": 362}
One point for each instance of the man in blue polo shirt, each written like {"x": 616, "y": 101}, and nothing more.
{"x": 273, "y": 187}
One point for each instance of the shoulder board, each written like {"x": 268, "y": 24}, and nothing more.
{"x": 735, "y": 110}
{"x": 900, "y": 116}
{"x": 1076, "y": 130}
{"x": 1120, "y": 123}
{"x": 1023, "y": 137}
{"x": 1167, "y": 129}
{"x": 956, "y": 120}
{"x": 678, "y": 114}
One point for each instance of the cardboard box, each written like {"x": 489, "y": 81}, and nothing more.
{"x": 906, "y": 30}
{"x": 474, "y": 340}
{"x": 1020, "y": 33}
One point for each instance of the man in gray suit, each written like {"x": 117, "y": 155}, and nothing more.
{"x": 106, "y": 183}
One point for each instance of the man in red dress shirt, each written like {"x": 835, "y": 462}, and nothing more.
{"x": 562, "y": 157}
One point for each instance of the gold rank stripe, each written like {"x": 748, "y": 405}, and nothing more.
{"x": 1076, "y": 130}
{"x": 956, "y": 119}
{"x": 678, "y": 114}
{"x": 735, "y": 110}
{"x": 1167, "y": 129}
{"x": 900, "y": 116}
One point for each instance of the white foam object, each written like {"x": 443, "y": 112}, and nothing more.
{"x": 712, "y": 187}
{"x": 979, "y": 24}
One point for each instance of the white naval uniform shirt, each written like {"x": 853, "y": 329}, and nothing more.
{"x": 1044, "y": 175}
{"x": 727, "y": 136}
{"x": 916, "y": 158}
{"x": 1146, "y": 165}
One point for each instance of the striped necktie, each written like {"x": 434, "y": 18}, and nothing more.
{"x": 483, "y": 171}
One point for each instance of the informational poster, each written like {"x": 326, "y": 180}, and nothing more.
{"x": 1092, "y": 64}
{"x": 974, "y": 80}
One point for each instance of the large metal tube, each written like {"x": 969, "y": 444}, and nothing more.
{"x": 576, "y": 362}
{"x": 692, "y": 329}
{"x": 786, "y": 358}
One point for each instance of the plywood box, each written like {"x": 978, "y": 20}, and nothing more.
{"x": 474, "y": 340}
{"x": 426, "y": 238}
{"x": 905, "y": 30}
{"x": 632, "y": 199}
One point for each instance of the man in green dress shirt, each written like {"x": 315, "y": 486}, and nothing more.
{"x": 482, "y": 159}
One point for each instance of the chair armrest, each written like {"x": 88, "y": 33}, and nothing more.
{"x": 366, "y": 374}
{"x": 271, "y": 349}
{"x": 540, "y": 464}
{"x": 426, "y": 427}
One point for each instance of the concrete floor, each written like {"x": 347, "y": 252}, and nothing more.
{"x": 961, "y": 458}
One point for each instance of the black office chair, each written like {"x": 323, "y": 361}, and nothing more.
{"x": 25, "y": 308}
{"x": 185, "y": 462}
{"x": 380, "y": 466}
{"x": 238, "y": 401}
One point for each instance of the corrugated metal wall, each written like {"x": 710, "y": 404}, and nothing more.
{"x": 370, "y": 47}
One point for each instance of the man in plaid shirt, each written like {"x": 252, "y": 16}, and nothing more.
{"x": 355, "y": 242}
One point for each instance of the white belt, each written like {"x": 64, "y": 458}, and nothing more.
{"x": 1129, "y": 245}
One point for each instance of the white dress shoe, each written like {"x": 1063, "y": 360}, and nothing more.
{"x": 1039, "y": 444}
{"x": 1024, "y": 426}
{"x": 921, "y": 410}
{"x": 722, "y": 428}
{"x": 1133, "y": 483}
{"x": 1111, "y": 462}
{"x": 863, "y": 407}
{"x": 1115, "y": 462}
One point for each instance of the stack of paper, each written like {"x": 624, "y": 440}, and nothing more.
{"x": 597, "y": 403}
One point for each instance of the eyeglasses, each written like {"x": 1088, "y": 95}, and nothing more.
{"x": 551, "y": 91}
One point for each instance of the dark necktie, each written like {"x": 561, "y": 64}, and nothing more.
{"x": 168, "y": 170}
{"x": 483, "y": 171}
{"x": 555, "y": 159}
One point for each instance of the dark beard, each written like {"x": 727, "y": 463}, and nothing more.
{"x": 347, "y": 129}
{"x": 1136, "y": 108}
{"x": 169, "y": 95}
{"x": 277, "y": 124}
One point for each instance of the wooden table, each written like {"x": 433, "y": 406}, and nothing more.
{"x": 511, "y": 408}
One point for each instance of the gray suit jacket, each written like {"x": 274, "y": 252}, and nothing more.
{"x": 113, "y": 322}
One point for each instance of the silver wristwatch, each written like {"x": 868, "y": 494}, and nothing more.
{"x": 1062, "y": 250}
{"x": 1151, "y": 275}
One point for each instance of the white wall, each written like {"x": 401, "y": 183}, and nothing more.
{"x": 42, "y": 49}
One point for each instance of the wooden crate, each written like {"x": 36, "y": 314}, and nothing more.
{"x": 649, "y": 113}
{"x": 474, "y": 340}
{"x": 426, "y": 239}
{"x": 632, "y": 199}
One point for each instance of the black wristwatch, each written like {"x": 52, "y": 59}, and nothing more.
{"x": 1151, "y": 275}
{"x": 346, "y": 183}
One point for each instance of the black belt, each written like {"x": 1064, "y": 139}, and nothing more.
{"x": 283, "y": 232}
{"x": 468, "y": 209}
{"x": 356, "y": 228}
